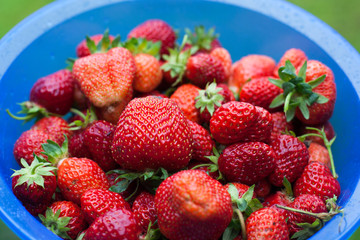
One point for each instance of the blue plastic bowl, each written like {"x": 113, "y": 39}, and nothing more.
{"x": 40, "y": 44}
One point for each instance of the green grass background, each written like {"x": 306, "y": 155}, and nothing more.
{"x": 342, "y": 15}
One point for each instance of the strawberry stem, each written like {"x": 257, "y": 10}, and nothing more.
{"x": 242, "y": 223}
{"x": 324, "y": 216}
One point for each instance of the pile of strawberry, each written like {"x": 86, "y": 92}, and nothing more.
{"x": 167, "y": 141}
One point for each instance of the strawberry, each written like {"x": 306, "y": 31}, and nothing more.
{"x": 249, "y": 67}
{"x": 211, "y": 98}
{"x": 328, "y": 129}
{"x": 184, "y": 96}
{"x": 235, "y": 122}
{"x": 113, "y": 225}
{"x": 192, "y": 205}
{"x": 279, "y": 197}
{"x": 224, "y": 56}
{"x": 65, "y": 219}
{"x": 318, "y": 153}
{"x": 34, "y": 184}
{"x": 247, "y": 162}
{"x": 242, "y": 188}
{"x": 317, "y": 179}
{"x": 148, "y": 73}
{"x": 77, "y": 146}
{"x": 56, "y": 127}
{"x": 202, "y": 143}
{"x": 296, "y": 56}
{"x": 262, "y": 188}
{"x": 259, "y": 92}
{"x": 80, "y": 100}
{"x": 97, "y": 202}
{"x": 106, "y": 78}
{"x": 29, "y": 143}
{"x": 266, "y": 223}
{"x": 204, "y": 41}
{"x": 82, "y": 50}
{"x": 280, "y": 125}
{"x": 154, "y": 93}
{"x": 291, "y": 157}
{"x": 155, "y": 30}
{"x": 36, "y": 209}
{"x": 152, "y": 133}
{"x": 144, "y": 210}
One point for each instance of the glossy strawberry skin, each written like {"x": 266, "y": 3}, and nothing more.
{"x": 296, "y": 56}
{"x": 148, "y": 73}
{"x": 280, "y": 125}
{"x": 308, "y": 203}
{"x": 82, "y": 49}
{"x": 247, "y": 162}
{"x": 203, "y": 68}
{"x": 184, "y": 96}
{"x": 262, "y": 188}
{"x": 202, "y": 142}
{"x": 77, "y": 146}
{"x": 69, "y": 209}
{"x": 291, "y": 157}
{"x": 155, "y": 30}
{"x": 144, "y": 210}
{"x": 279, "y": 198}
{"x": 28, "y": 143}
{"x": 105, "y": 78}
{"x": 114, "y": 225}
{"x": 152, "y": 133}
{"x": 318, "y": 153}
{"x": 76, "y": 175}
{"x": 317, "y": 179}
{"x": 54, "y": 92}
{"x": 192, "y": 205}
{"x": 56, "y": 127}
{"x": 97, "y": 202}
{"x": 266, "y": 223}
{"x": 98, "y": 138}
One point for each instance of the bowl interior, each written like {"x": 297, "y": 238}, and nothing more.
{"x": 242, "y": 31}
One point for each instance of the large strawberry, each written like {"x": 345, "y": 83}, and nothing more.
{"x": 296, "y": 56}
{"x": 152, "y": 133}
{"x": 65, "y": 219}
{"x": 192, "y": 205}
{"x": 56, "y": 127}
{"x": 106, "y": 78}
{"x": 246, "y": 162}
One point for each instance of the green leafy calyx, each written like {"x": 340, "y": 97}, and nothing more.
{"x": 141, "y": 45}
{"x": 104, "y": 44}
{"x": 31, "y": 111}
{"x": 54, "y": 152}
{"x": 201, "y": 38}
{"x": 55, "y": 223}
{"x": 209, "y": 98}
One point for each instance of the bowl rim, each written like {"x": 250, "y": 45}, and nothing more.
{"x": 303, "y": 22}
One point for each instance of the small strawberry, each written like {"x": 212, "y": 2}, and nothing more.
{"x": 280, "y": 125}
{"x": 249, "y": 67}
{"x": 202, "y": 143}
{"x": 224, "y": 56}
{"x": 96, "y": 41}
{"x": 188, "y": 203}
{"x": 148, "y": 73}
{"x": 114, "y": 225}
{"x": 152, "y": 133}
{"x": 65, "y": 219}
{"x": 291, "y": 157}
{"x": 56, "y": 127}
{"x": 247, "y": 162}
{"x": 259, "y": 92}
{"x": 262, "y": 188}
{"x": 77, "y": 146}
{"x": 34, "y": 184}
{"x": 266, "y": 223}
{"x": 106, "y": 78}
{"x": 296, "y": 56}
{"x": 145, "y": 211}
{"x": 279, "y": 197}
{"x": 155, "y": 30}
{"x": 185, "y": 96}
{"x": 204, "y": 41}
{"x": 97, "y": 202}
{"x": 318, "y": 153}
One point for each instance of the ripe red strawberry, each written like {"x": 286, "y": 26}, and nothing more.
{"x": 54, "y": 92}
{"x": 192, "y": 205}
{"x": 148, "y": 73}
{"x": 65, "y": 219}
{"x": 36, "y": 209}
{"x": 296, "y": 56}
{"x": 305, "y": 202}
{"x": 247, "y": 162}
{"x": 114, "y": 225}
{"x": 242, "y": 188}
{"x": 211, "y": 98}
{"x": 34, "y": 184}
{"x": 236, "y": 122}
{"x": 224, "y": 56}
{"x": 259, "y": 92}
{"x": 328, "y": 129}
{"x": 82, "y": 50}
{"x": 98, "y": 137}
{"x": 202, "y": 143}
{"x": 318, "y": 153}
{"x": 291, "y": 157}
{"x": 266, "y": 223}
{"x": 262, "y": 188}
{"x": 204, "y": 68}
{"x": 280, "y": 125}
{"x": 77, "y": 146}
{"x": 106, "y": 78}
{"x": 56, "y": 127}
{"x": 144, "y": 210}
{"x": 184, "y": 96}
{"x": 97, "y": 202}
{"x": 249, "y": 67}
{"x": 152, "y": 133}
{"x": 317, "y": 179}
{"x": 29, "y": 143}
{"x": 155, "y": 30}
{"x": 279, "y": 197}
